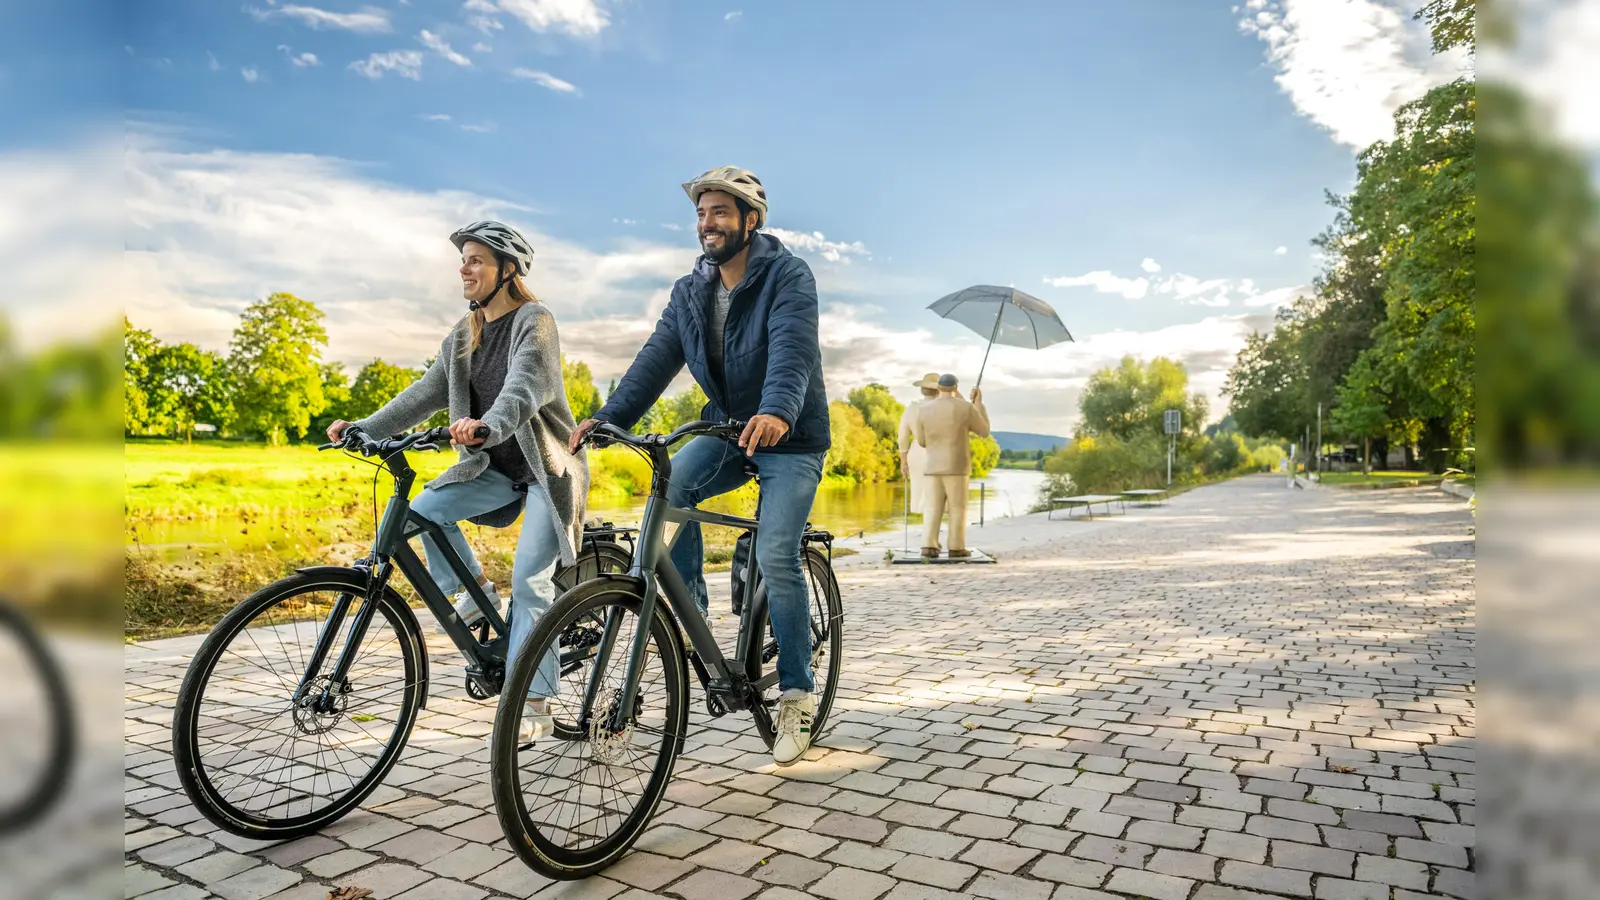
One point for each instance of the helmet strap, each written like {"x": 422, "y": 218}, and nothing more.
{"x": 475, "y": 305}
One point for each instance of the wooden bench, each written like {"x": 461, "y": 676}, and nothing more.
{"x": 1087, "y": 501}
{"x": 1149, "y": 496}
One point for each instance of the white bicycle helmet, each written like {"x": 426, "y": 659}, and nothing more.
{"x": 741, "y": 183}
{"x": 499, "y": 237}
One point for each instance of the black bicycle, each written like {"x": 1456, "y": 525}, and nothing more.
{"x": 574, "y": 805}
{"x": 302, "y": 698}
{"x": 40, "y": 741}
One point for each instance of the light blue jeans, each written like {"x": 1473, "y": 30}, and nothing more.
{"x": 532, "y": 590}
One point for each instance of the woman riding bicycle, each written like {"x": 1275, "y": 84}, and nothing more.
{"x": 500, "y": 367}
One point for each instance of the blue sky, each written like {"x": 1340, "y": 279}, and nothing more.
{"x": 1155, "y": 171}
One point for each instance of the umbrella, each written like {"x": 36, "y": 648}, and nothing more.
{"x": 1006, "y": 315}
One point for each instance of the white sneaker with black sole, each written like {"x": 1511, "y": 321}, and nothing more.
{"x": 468, "y": 610}
{"x": 794, "y": 728}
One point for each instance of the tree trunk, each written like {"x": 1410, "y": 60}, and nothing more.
{"x": 1366, "y": 455}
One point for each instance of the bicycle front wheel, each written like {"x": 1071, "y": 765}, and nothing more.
{"x": 260, "y": 763}
{"x": 38, "y": 746}
{"x": 572, "y": 803}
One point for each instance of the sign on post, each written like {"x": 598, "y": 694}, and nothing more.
{"x": 1173, "y": 421}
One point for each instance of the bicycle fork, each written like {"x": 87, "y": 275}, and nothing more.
{"x": 337, "y": 683}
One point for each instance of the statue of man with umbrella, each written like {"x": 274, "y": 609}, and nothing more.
{"x": 1010, "y": 317}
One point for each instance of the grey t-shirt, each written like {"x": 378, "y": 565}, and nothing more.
{"x": 488, "y": 376}
{"x": 719, "y": 321}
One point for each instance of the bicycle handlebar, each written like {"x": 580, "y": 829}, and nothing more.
{"x": 359, "y": 441}
{"x": 605, "y": 433}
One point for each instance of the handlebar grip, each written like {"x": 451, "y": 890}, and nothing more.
{"x": 482, "y": 431}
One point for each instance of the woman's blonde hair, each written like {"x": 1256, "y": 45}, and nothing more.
{"x": 519, "y": 294}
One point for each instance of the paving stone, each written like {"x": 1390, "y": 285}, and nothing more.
{"x": 976, "y": 802}
{"x": 1008, "y": 887}
{"x": 990, "y": 827}
{"x": 1207, "y": 817}
{"x": 1243, "y": 847}
{"x": 176, "y": 852}
{"x": 444, "y": 889}
{"x": 1041, "y": 837}
{"x": 1444, "y": 833}
{"x": 256, "y": 883}
{"x": 923, "y": 842}
{"x": 856, "y": 828}
{"x": 391, "y": 879}
{"x": 1398, "y": 872}
{"x": 938, "y": 873}
{"x": 647, "y": 870}
{"x": 1071, "y": 870}
{"x": 1265, "y": 878}
{"x": 1184, "y": 865}
{"x": 1430, "y": 852}
{"x": 217, "y": 867}
{"x": 737, "y": 857}
{"x": 1103, "y": 824}
{"x": 802, "y": 843}
{"x": 707, "y": 883}
{"x": 1456, "y": 883}
{"x": 1286, "y": 829}
{"x": 468, "y": 862}
{"x": 670, "y": 840}
{"x": 1382, "y": 824}
{"x": 789, "y": 869}
{"x": 997, "y": 856}
{"x": 1161, "y": 834}
{"x": 1289, "y": 855}
{"x": 1302, "y": 812}
{"x": 916, "y": 814}
{"x": 1359, "y": 841}
{"x": 1149, "y": 884}
{"x": 338, "y": 863}
{"x": 1342, "y": 889}
{"x": 1113, "y": 851}
{"x": 862, "y": 856}
{"x": 843, "y": 884}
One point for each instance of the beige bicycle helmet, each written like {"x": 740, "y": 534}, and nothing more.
{"x": 741, "y": 183}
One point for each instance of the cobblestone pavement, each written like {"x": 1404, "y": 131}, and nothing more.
{"x": 1248, "y": 692}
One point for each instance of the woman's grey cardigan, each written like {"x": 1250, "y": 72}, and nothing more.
{"x": 532, "y": 409}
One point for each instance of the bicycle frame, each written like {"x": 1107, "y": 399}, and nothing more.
{"x": 391, "y": 547}
{"x": 725, "y": 685}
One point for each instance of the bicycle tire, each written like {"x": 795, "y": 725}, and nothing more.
{"x": 539, "y": 852}
{"x": 192, "y": 774}
{"x": 61, "y": 751}
{"x": 825, "y": 591}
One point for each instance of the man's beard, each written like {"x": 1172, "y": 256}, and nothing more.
{"x": 731, "y": 245}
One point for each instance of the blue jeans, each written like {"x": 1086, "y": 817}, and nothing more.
{"x": 532, "y": 566}
{"x": 709, "y": 466}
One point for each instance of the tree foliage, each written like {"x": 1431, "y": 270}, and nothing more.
{"x": 276, "y": 359}
{"x": 1131, "y": 400}
{"x": 583, "y": 398}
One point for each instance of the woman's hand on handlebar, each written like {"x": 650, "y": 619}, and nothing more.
{"x": 336, "y": 430}
{"x": 464, "y": 431}
{"x": 579, "y": 433}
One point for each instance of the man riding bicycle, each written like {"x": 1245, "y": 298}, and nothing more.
{"x": 745, "y": 322}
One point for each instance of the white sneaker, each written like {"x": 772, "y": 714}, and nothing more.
{"x": 536, "y": 725}
{"x": 468, "y": 610}
{"x": 794, "y": 728}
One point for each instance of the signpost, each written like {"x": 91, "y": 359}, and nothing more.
{"x": 1172, "y": 424}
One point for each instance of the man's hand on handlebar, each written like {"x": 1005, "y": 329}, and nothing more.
{"x": 762, "y": 431}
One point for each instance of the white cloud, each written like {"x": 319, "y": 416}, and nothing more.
{"x": 1554, "y": 60}
{"x": 735, "y": 14}
{"x": 625, "y": 221}
{"x": 485, "y": 128}
{"x": 300, "y": 60}
{"x": 212, "y": 62}
{"x": 816, "y": 242}
{"x": 579, "y": 18}
{"x": 437, "y": 117}
{"x": 1348, "y": 64}
{"x": 1281, "y": 251}
{"x": 546, "y": 80}
{"x": 250, "y": 74}
{"x": 438, "y": 45}
{"x": 481, "y": 47}
{"x": 1105, "y": 283}
{"x": 369, "y": 20}
{"x": 671, "y": 226}
{"x": 62, "y": 212}
{"x": 1150, "y": 265}
{"x": 405, "y": 63}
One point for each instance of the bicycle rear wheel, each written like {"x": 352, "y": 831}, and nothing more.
{"x": 827, "y": 642}
{"x": 572, "y": 804}
{"x": 261, "y": 764}
{"x": 38, "y": 746}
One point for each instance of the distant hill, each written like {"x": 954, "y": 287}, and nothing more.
{"x": 1013, "y": 440}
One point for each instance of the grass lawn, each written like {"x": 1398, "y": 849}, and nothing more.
{"x": 1380, "y": 479}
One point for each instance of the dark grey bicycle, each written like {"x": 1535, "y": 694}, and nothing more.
{"x": 574, "y": 805}
{"x": 299, "y": 702}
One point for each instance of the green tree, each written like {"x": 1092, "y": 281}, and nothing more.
{"x": 582, "y": 396}
{"x": 138, "y": 346}
{"x": 193, "y": 388}
{"x": 882, "y": 412}
{"x": 335, "y": 396}
{"x": 1266, "y": 387}
{"x": 856, "y": 452}
{"x": 377, "y": 383}
{"x": 1363, "y": 410}
{"x": 1132, "y": 398}
{"x": 985, "y": 454}
{"x": 276, "y": 361}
